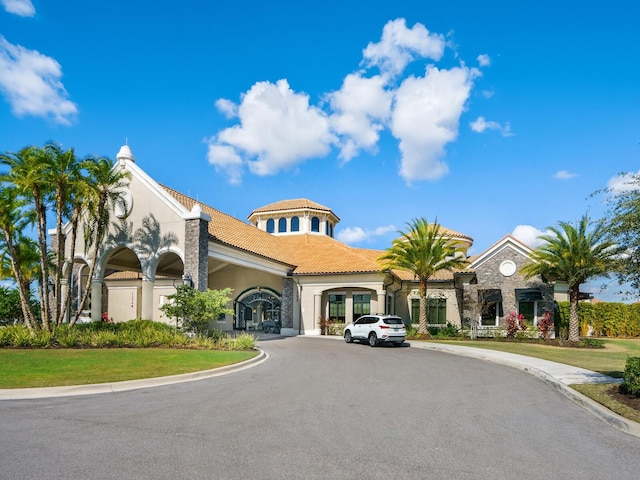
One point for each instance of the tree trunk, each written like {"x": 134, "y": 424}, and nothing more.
{"x": 23, "y": 286}
{"x": 574, "y": 319}
{"x": 422, "y": 325}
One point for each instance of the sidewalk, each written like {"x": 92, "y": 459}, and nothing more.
{"x": 558, "y": 375}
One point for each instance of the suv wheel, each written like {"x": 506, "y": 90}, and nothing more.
{"x": 373, "y": 340}
{"x": 347, "y": 337}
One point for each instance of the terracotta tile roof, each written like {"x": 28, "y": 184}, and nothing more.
{"x": 308, "y": 253}
{"x": 235, "y": 233}
{"x": 124, "y": 275}
{"x": 316, "y": 254}
{"x": 295, "y": 204}
{"x": 454, "y": 234}
{"x": 440, "y": 275}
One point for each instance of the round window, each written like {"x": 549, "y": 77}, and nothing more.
{"x": 507, "y": 268}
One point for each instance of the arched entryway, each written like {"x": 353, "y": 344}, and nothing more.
{"x": 258, "y": 308}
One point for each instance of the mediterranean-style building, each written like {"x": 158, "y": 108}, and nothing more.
{"x": 283, "y": 265}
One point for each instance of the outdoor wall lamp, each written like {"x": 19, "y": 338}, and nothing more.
{"x": 186, "y": 280}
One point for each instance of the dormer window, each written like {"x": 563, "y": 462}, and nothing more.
{"x": 271, "y": 225}
{"x": 282, "y": 225}
{"x": 315, "y": 224}
{"x": 295, "y": 224}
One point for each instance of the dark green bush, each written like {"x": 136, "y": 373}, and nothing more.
{"x": 448, "y": 331}
{"x": 631, "y": 383}
{"x": 592, "y": 342}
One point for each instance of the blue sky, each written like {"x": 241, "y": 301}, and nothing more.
{"x": 494, "y": 117}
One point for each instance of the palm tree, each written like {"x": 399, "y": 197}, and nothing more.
{"x": 574, "y": 253}
{"x": 105, "y": 188}
{"x": 68, "y": 195}
{"x": 16, "y": 250}
{"x": 28, "y": 173}
{"x": 423, "y": 250}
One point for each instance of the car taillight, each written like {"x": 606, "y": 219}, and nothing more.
{"x": 384, "y": 326}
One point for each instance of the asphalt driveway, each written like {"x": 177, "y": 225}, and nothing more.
{"x": 319, "y": 408}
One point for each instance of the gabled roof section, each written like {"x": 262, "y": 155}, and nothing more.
{"x": 507, "y": 241}
{"x": 236, "y": 233}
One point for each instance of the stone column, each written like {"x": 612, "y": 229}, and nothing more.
{"x": 317, "y": 312}
{"x": 146, "y": 312}
{"x": 96, "y": 300}
{"x": 286, "y": 307}
{"x": 348, "y": 308}
{"x": 382, "y": 302}
{"x": 196, "y": 247}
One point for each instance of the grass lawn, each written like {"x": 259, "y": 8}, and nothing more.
{"x": 21, "y": 368}
{"x": 610, "y": 360}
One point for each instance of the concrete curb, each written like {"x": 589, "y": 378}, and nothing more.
{"x": 593, "y": 407}
{"x": 74, "y": 390}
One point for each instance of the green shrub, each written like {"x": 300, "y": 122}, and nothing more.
{"x": 412, "y": 331}
{"x": 244, "y": 341}
{"x": 203, "y": 341}
{"x": 592, "y": 342}
{"x": 336, "y": 328}
{"x": 21, "y": 336}
{"x": 67, "y": 337}
{"x": 135, "y": 333}
{"x": 631, "y": 383}
{"x": 42, "y": 339}
{"x": 447, "y": 331}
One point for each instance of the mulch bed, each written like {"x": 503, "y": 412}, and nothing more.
{"x": 624, "y": 398}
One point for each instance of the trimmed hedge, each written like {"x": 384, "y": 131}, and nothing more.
{"x": 604, "y": 319}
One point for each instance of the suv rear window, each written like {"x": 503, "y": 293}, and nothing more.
{"x": 392, "y": 321}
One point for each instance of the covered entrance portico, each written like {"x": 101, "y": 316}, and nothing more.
{"x": 258, "y": 308}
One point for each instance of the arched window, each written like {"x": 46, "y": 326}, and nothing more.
{"x": 282, "y": 225}
{"x": 270, "y": 225}
{"x": 315, "y": 224}
{"x": 295, "y": 224}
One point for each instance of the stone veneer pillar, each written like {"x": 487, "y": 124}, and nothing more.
{"x": 286, "y": 307}
{"x": 196, "y": 248}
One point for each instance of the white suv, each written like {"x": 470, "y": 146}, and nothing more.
{"x": 376, "y": 329}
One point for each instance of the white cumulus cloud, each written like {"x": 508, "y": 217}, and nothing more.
{"x": 484, "y": 60}
{"x": 227, "y": 107}
{"x": 622, "y": 183}
{"x": 361, "y": 108}
{"x": 528, "y": 235}
{"x": 353, "y": 235}
{"x": 278, "y": 129}
{"x": 400, "y": 45}
{"x": 30, "y": 82}
{"x": 426, "y": 118}
{"x": 480, "y": 124}
{"x": 564, "y": 175}
{"x": 23, "y": 8}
